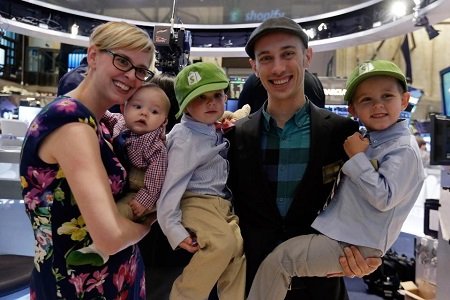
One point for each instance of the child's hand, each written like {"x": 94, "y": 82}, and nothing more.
{"x": 138, "y": 209}
{"x": 189, "y": 244}
{"x": 229, "y": 118}
{"x": 355, "y": 144}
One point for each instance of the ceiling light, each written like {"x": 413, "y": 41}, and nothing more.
{"x": 398, "y": 9}
{"x": 376, "y": 24}
{"x": 322, "y": 27}
{"x": 311, "y": 32}
{"x": 74, "y": 29}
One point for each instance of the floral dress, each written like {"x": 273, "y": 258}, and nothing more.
{"x": 58, "y": 226}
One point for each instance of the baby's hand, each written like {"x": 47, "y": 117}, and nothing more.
{"x": 138, "y": 209}
{"x": 355, "y": 144}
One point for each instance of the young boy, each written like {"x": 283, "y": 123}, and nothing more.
{"x": 194, "y": 210}
{"x": 378, "y": 186}
{"x": 139, "y": 141}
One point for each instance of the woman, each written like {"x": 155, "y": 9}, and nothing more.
{"x": 71, "y": 177}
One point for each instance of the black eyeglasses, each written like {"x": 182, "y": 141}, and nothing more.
{"x": 124, "y": 64}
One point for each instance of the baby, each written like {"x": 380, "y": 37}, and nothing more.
{"x": 139, "y": 141}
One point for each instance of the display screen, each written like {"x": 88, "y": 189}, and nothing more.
{"x": 415, "y": 95}
{"x": 440, "y": 140}
{"x": 231, "y": 105}
{"x": 2, "y": 60}
{"x": 74, "y": 60}
{"x": 405, "y": 115}
{"x": 445, "y": 89}
{"x": 236, "y": 86}
{"x": 339, "y": 109}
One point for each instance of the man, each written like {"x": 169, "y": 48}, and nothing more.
{"x": 72, "y": 79}
{"x": 254, "y": 93}
{"x": 285, "y": 157}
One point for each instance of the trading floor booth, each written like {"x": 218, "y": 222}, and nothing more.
{"x": 440, "y": 155}
{"x": 16, "y": 235}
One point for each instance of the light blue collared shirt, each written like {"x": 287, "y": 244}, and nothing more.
{"x": 197, "y": 163}
{"x": 370, "y": 206}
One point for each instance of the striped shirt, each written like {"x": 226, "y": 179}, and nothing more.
{"x": 286, "y": 154}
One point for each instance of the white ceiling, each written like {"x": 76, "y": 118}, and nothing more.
{"x": 436, "y": 12}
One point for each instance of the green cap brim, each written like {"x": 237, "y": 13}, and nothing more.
{"x": 198, "y": 91}
{"x": 354, "y": 84}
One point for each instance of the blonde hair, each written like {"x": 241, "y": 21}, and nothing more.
{"x": 122, "y": 35}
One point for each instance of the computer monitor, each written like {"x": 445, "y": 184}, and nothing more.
{"x": 339, "y": 109}
{"x": 415, "y": 95}
{"x": 445, "y": 90}
{"x": 236, "y": 86}
{"x": 74, "y": 60}
{"x": 231, "y": 105}
{"x": 440, "y": 140}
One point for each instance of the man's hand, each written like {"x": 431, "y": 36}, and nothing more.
{"x": 354, "y": 264}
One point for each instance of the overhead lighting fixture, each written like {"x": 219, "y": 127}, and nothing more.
{"x": 74, "y": 29}
{"x": 420, "y": 19}
{"x": 423, "y": 21}
{"x": 432, "y": 33}
{"x": 376, "y": 24}
{"x": 322, "y": 27}
{"x": 311, "y": 32}
{"x": 398, "y": 10}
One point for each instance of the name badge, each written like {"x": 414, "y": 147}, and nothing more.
{"x": 330, "y": 171}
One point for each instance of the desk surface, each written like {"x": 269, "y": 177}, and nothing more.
{"x": 444, "y": 214}
{"x": 10, "y": 188}
{"x": 10, "y": 155}
{"x": 444, "y": 201}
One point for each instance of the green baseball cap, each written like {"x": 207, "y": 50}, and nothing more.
{"x": 373, "y": 68}
{"x": 197, "y": 79}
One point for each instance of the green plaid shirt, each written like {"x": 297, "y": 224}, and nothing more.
{"x": 286, "y": 154}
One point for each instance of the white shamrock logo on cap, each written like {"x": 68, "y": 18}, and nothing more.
{"x": 193, "y": 78}
{"x": 366, "y": 67}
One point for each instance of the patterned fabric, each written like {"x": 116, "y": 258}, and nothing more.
{"x": 58, "y": 225}
{"x": 286, "y": 154}
{"x": 333, "y": 190}
{"x": 146, "y": 152}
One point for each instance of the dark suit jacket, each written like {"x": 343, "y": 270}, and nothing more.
{"x": 254, "y": 199}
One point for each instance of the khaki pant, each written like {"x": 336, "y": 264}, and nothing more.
{"x": 221, "y": 256}
{"x": 136, "y": 182}
{"x": 301, "y": 256}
